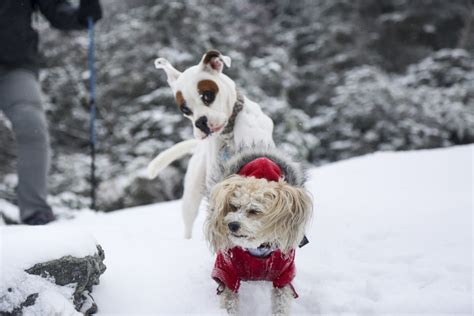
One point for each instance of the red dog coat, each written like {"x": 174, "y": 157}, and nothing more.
{"x": 237, "y": 264}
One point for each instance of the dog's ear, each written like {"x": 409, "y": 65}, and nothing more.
{"x": 171, "y": 73}
{"x": 219, "y": 207}
{"x": 290, "y": 214}
{"x": 214, "y": 61}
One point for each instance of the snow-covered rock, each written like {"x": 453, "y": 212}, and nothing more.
{"x": 48, "y": 270}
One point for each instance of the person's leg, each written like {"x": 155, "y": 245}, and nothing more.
{"x": 21, "y": 103}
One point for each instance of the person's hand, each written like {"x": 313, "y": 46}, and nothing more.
{"x": 89, "y": 8}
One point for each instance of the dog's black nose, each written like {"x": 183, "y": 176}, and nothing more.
{"x": 201, "y": 123}
{"x": 234, "y": 226}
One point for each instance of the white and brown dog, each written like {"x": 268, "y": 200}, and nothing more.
{"x": 223, "y": 120}
{"x": 257, "y": 214}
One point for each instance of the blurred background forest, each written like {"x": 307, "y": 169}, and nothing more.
{"x": 340, "y": 78}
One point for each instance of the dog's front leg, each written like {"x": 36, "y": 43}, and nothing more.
{"x": 194, "y": 182}
{"x": 281, "y": 301}
{"x": 230, "y": 301}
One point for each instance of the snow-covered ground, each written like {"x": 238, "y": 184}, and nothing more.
{"x": 391, "y": 234}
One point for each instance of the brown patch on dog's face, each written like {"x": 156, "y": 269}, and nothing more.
{"x": 179, "y": 99}
{"x": 208, "y": 90}
{"x": 207, "y": 85}
{"x": 182, "y": 104}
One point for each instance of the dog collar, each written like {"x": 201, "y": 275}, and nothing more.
{"x": 238, "y": 106}
{"x": 263, "y": 251}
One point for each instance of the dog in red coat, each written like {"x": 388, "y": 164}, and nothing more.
{"x": 258, "y": 211}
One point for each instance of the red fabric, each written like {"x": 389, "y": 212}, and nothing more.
{"x": 261, "y": 168}
{"x": 237, "y": 264}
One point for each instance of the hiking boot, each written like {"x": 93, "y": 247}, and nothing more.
{"x": 40, "y": 218}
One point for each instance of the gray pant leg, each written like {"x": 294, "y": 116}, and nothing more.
{"x": 20, "y": 100}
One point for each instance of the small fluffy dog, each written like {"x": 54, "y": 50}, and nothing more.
{"x": 223, "y": 121}
{"x": 258, "y": 211}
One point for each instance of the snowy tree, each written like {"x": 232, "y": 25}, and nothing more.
{"x": 340, "y": 78}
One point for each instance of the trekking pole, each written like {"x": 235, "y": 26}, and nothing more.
{"x": 92, "y": 109}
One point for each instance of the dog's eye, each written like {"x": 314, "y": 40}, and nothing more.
{"x": 253, "y": 212}
{"x": 208, "y": 97}
{"x": 185, "y": 110}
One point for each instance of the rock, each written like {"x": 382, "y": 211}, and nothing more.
{"x": 30, "y": 300}
{"x": 69, "y": 277}
{"x": 85, "y": 272}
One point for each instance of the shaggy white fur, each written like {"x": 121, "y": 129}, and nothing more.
{"x": 267, "y": 212}
{"x": 258, "y": 215}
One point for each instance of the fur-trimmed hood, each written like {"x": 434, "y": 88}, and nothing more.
{"x": 292, "y": 172}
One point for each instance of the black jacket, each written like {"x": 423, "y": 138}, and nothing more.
{"x": 18, "y": 39}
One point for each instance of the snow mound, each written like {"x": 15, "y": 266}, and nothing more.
{"x": 21, "y": 248}
{"x": 49, "y": 298}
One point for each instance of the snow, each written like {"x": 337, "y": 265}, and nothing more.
{"x": 9, "y": 210}
{"x": 24, "y": 246}
{"x": 51, "y": 300}
{"x": 21, "y": 247}
{"x": 391, "y": 234}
